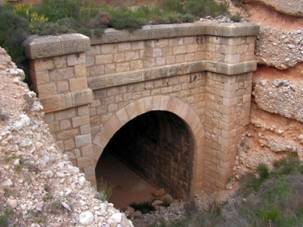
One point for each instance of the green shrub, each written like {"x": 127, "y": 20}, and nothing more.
{"x": 104, "y": 190}
{"x": 238, "y": 3}
{"x": 236, "y": 17}
{"x": 269, "y": 214}
{"x": 58, "y": 9}
{"x": 263, "y": 171}
{"x": 88, "y": 10}
{"x": 34, "y": 19}
{"x": 5, "y": 217}
{"x": 14, "y": 29}
{"x": 123, "y": 18}
{"x": 202, "y": 8}
{"x": 289, "y": 165}
{"x": 173, "y": 5}
{"x": 144, "y": 207}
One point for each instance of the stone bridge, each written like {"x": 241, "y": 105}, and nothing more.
{"x": 179, "y": 94}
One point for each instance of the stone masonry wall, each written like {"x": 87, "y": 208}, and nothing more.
{"x": 200, "y": 72}
{"x": 137, "y": 55}
{"x": 276, "y": 125}
{"x": 61, "y": 84}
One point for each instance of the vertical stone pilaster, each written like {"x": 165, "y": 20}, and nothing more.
{"x": 227, "y": 108}
{"x": 58, "y": 73}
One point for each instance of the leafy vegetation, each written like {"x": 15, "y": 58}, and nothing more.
{"x": 5, "y": 217}
{"x": 144, "y": 208}
{"x": 104, "y": 190}
{"x": 269, "y": 198}
{"x": 53, "y": 17}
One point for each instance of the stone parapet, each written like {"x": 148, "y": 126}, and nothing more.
{"x": 51, "y": 46}
{"x": 217, "y": 46}
{"x": 165, "y": 31}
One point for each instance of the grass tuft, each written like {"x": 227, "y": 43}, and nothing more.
{"x": 144, "y": 207}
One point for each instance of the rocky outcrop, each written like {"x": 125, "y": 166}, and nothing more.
{"x": 38, "y": 184}
{"x": 280, "y": 49}
{"x": 289, "y": 7}
{"x": 276, "y": 117}
{"x": 280, "y": 96}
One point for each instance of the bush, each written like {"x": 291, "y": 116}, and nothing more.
{"x": 289, "y": 165}
{"x": 173, "y": 5}
{"x": 62, "y": 26}
{"x": 122, "y": 18}
{"x": 58, "y": 9}
{"x": 5, "y": 217}
{"x": 144, "y": 207}
{"x": 202, "y": 8}
{"x": 236, "y": 17}
{"x": 34, "y": 19}
{"x": 104, "y": 190}
{"x": 13, "y": 31}
{"x": 263, "y": 171}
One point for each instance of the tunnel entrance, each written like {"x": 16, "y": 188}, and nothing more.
{"x": 152, "y": 151}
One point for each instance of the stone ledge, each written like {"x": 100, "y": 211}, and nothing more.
{"x": 51, "y": 46}
{"x": 66, "y": 101}
{"x": 162, "y": 31}
{"x": 118, "y": 79}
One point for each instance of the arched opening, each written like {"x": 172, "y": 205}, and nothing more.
{"x": 154, "y": 150}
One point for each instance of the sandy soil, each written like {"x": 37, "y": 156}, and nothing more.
{"x": 127, "y": 186}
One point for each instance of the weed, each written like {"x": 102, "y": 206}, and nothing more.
{"x": 18, "y": 168}
{"x": 289, "y": 165}
{"x": 173, "y": 5}
{"x": 202, "y": 8}
{"x": 105, "y": 190}
{"x": 279, "y": 191}
{"x": 144, "y": 207}
{"x": 236, "y": 17}
{"x": 38, "y": 217}
{"x": 13, "y": 31}
{"x": 238, "y": 2}
{"x": 8, "y": 192}
{"x": 59, "y": 9}
{"x": 263, "y": 171}
{"x": 5, "y": 217}
{"x": 55, "y": 206}
{"x": 47, "y": 197}
{"x": 10, "y": 158}
{"x": 269, "y": 214}
{"x": 123, "y": 18}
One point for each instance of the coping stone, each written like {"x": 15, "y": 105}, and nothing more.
{"x": 50, "y": 46}
{"x": 149, "y": 32}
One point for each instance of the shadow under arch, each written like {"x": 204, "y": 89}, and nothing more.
{"x": 158, "y": 103}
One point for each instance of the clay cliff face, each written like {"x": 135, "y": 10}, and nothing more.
{"x": 276, "y": 127}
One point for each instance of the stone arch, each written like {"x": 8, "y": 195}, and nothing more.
{"x": 157, "y": 103}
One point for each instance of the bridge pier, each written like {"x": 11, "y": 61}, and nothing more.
{"x": 202, "y": 73}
